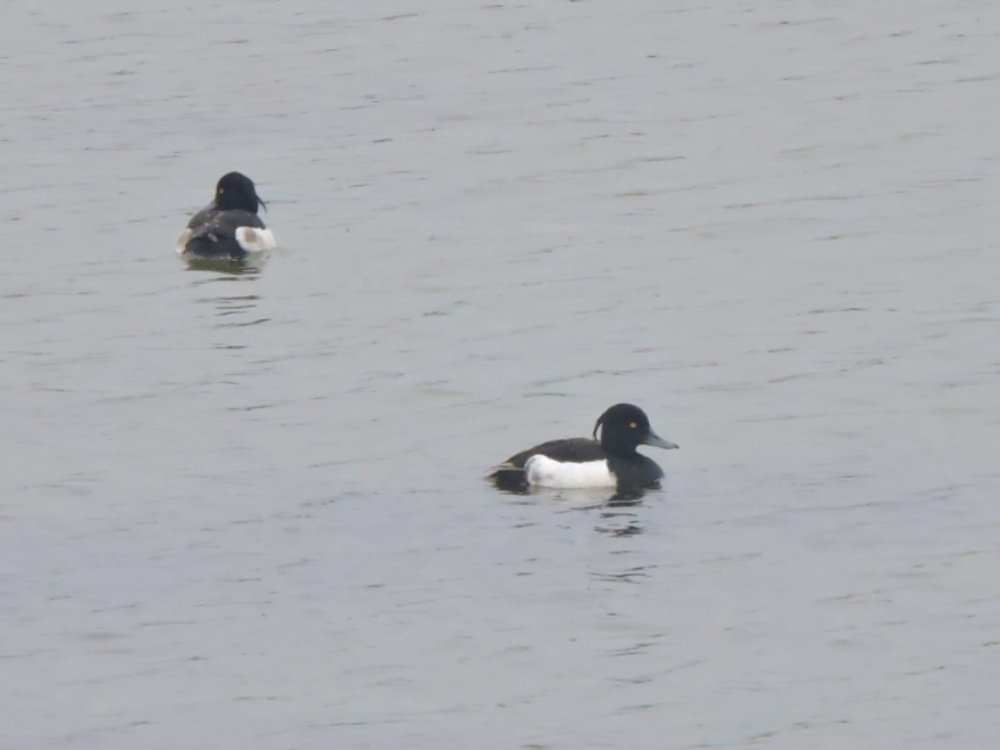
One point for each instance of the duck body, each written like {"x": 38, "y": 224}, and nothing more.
{"x": 228, "y": 227}
{"x": 584, "y": 462}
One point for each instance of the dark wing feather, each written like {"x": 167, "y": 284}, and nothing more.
{"x": 572, "y": 449}
{"x": 213, "y": 232}
{"x": 202, "y": 217}
{"x": 211, "y": 221}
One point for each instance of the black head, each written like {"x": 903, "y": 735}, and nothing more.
{"x": 623, "y": 427}
{"x": 236, "y": 191}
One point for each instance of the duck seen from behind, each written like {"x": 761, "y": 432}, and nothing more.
{"x": 228, "y": 228}
{"x": 576, "y": 463}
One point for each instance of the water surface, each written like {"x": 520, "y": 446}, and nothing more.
{"x": 248, "y": 510}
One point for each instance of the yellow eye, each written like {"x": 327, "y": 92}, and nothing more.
{"x": 633, "y": 425}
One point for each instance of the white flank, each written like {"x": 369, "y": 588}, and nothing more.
{"x": 254, "y": 240}
{"x": 183, "y": 240}
{"x": 547, "y": 472}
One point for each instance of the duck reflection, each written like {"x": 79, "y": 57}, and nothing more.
{"x": 619, "y": 517}
{"x": 618, "y": 509}
{"x": 231, "y": 293}
{"x": 249, "y": 265}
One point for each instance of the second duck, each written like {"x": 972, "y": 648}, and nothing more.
{"x": 228, "y": 228}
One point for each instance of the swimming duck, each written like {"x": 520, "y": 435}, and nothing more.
{"x": 585, "y": 462}
{"x": 228, "y": 227}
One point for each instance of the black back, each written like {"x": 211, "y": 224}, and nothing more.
{"x": 571, "y": 449}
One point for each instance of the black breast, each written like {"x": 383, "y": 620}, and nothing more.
{"x": 635, "y": 472}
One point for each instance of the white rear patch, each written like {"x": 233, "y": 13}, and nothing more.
{"x": 183, "y": 240}
{"x": 547, "y": 472}
{"x": 254, "y": 240}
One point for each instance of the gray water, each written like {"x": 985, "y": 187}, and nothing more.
{"x": 248, "y": 510}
